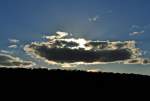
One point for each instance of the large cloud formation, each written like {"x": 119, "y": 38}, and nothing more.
{"x": 62, "y": 48}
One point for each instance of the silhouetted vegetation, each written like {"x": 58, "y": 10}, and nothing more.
{"x": 38, "y": 74}
{"x": 62, "y": 78}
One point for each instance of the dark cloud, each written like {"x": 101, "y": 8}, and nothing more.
{"x": 80, "y": 55}
{"x": 72, "y": 50}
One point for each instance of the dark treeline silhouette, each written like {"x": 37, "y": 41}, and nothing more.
{"x": 61, "y": 78}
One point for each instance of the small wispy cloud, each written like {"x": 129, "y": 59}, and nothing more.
{"x": 135, "y": 27}
{"x": 144, "y": 27}
{"x": 137, "y": 33}
{"x": 12, "y": 46}
{"x": 13, "y": 40}
{"x": 94, "y": 19}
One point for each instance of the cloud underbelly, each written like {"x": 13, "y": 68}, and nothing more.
{"x": 80, "y": 55}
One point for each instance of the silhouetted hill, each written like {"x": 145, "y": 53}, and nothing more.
{"x": 62, "y": 78}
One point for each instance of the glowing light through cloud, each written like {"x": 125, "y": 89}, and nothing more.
{"x": 67, "y": 51}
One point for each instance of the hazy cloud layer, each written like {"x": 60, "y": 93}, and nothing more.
{"x": 6, "y": 52}
{"x": 13, "y": 62}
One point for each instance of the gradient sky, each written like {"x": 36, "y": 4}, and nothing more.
{"x": 95, "y": 19}
{"x": 28, "y": 20}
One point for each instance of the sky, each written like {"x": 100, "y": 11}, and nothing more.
{"x": 29, "y": 20}
{"x": 92, "y": 19}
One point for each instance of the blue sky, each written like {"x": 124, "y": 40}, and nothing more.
{"x": 28, "y": 20}
{"x": 95, "y": 19}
